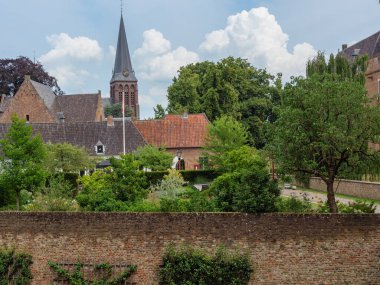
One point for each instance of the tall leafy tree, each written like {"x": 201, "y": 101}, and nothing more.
{"x": 21, "y": 160}
{"x": 229, "y": 87}
{"x": 156, "y": 159}
{"x": 224, "y": 134}
{"x": 115, "y": 110}
{"x": 67, "y": 158}
{"x": 159, "y": 112}
{"x": 326, "y": 123}
{"x": 12, "y": 72}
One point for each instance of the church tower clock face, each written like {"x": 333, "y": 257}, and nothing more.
{"x": 126, "y": 72}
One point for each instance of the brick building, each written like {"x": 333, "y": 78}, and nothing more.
{"x": 183, "y": 134}
{"x": 371, "y": 47}
{"x": 37, "y": 103}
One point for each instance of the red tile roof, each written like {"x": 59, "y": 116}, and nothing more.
{"x": 175, "y": 131}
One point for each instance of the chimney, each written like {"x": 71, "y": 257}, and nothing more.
{"x": 344, "y": 46}
{"x": 27, "y": 77}
{"x": 110, "y": 121}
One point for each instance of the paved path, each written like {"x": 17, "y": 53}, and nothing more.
{"x": 316, "y": 197}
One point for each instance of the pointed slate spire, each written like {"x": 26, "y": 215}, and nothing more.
{"x": 123, "y": 70}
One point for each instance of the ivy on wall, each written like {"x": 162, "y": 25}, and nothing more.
{"x": 102, "y": 270}
{"x": 15, "y": 268}
{"x": 189, "y": 266}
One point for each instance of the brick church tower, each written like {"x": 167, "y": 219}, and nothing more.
{"x": 123, "y": 76}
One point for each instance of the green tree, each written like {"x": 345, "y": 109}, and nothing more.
{"x": 229, "y": 87}
{"x": 115, "y": 110}
{"x": 245, "y": 185}
{"x": 325, "y": 125}
{"x": 22, "y": 160}
{"x": 67, "y": 158}
{"x": 156, "y": 159}
{"x": 159, "y": 112}
{"x": 113, "y": 189}
{"x": 224, "y": 134}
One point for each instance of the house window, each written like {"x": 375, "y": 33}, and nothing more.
{"x": 27, "y": 118}
{"x": 99, "y": 148}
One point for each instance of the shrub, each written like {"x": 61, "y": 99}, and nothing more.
{"x": 192, "y": 176}
{"x": 189, "y": 266}
{"x": 171, "y": 185}
{"x": 357, "y": 207}
{"x": 294, "y": 205}
{"x": 15, "y": 268}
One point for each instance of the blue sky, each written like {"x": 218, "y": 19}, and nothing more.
{"x": 75, "y": 39}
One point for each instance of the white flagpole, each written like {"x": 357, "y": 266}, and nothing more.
{"x": 123, "y": 111}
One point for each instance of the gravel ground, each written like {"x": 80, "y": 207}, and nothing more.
{"x": 316, "y": 197}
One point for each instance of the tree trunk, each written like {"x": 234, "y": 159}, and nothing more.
{"x": 18, "y": 201}
{"x": 331, "y": 196}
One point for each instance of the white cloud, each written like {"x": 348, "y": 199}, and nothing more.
{"x": 154, "y": 43}
{"x": 257, "y": 36}
{"x": 78, "y": 48}
{"x": 69, "y": 76}
{"x": 112, "y": 51}
{"x": 215, "y": 40}
{"x": 67, "y": 59}
{"x": 156, "y": 60}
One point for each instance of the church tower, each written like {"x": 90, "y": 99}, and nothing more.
{"x": 123, "y": 76}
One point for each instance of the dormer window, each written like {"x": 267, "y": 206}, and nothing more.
{"x": 100, "y": 148}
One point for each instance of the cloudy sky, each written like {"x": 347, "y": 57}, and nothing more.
{"x": 75, "y": 39}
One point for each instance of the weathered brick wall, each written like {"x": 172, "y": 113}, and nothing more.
{"x": 190, "y": 155}
{"x": 27, "y": 102}
{"x": 362, "y": 189}
{"x": 285, "y": 249}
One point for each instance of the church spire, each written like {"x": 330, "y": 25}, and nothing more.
{"x": 123, "y": 70}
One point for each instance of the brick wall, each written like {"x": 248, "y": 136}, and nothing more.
{"x": 284, "y": 249}
{"x": 190, "y": 155}
{"x": 362, "y": 189}
{"x": 27, "y": 102}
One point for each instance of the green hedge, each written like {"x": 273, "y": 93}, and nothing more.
{"x": 192, "y": 176}
{"x": 191, "y": 266}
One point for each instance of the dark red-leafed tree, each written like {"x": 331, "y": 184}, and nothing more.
{"x": 13, "y": 71}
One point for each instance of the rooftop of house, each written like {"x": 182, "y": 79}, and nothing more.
{"x": 72, "y": 108}
{"x": 89, "y": 135}
{"x": 369, "y": 46}
{"x": 175, "y": 131}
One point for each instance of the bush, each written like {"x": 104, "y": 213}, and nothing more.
{"x": 192, "y": 176}
{"x": 189, "y": 266}
{"x": 15, "y": 268}
{"x": 294, "y": 205}
{"x": 357, "y": 207}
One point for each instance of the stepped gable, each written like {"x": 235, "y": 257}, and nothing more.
{"x": 88, "y": 135}
{"x": 369, "y": 46}
{"x": 175, "y": 131}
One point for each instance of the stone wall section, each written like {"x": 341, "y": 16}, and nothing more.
{"x": 361, "y": 189}
{"x": 284, "y": 249}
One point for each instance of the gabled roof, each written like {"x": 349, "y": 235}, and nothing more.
{"x": 45, "y": 92}
{"x": 77, "y": 108}
{"x": 175, "y": 131}
{"x": 88, "y": 134}
{"x": 369, "y": 46}
{"x": 123, "y": 59}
